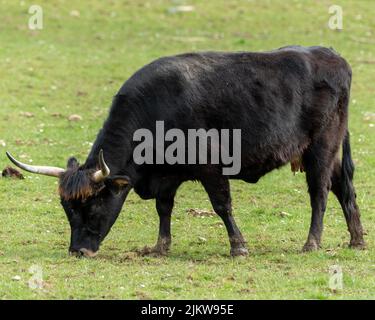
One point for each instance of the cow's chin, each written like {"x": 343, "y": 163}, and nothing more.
{"x": 83, "y": 252}
{"x": 88, "y": 253}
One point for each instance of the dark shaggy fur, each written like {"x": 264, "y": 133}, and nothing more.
{"x": 77, "y": 184}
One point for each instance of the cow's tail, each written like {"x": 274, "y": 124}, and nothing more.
{"x": 347, "y": 171}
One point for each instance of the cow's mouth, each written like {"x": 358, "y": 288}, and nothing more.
{"x": 83, "y": 252}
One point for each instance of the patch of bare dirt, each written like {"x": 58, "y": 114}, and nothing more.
{"x": 200, "y": 213}
{"x": 10, "y": 172}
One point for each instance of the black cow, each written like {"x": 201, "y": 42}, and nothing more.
{"x": 291, "y": 105}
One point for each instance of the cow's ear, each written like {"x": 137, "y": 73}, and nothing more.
{"x": 72, "y": 163}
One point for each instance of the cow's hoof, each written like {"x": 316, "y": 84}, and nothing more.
{"x": 358, "y": 245}
{"x": 310, "y": 246}
{"x": 155, "y": 251}
{"x": 238, "y": 252}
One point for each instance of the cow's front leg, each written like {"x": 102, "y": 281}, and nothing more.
{"x": 164, "y": 208}
{"x": 219, "y": 193}
{"x": 162, "y": 246}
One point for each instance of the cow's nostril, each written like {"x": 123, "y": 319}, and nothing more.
{"x": 76, "y": 253}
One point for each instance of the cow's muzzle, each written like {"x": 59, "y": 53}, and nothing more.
{"x": 83, "y": 252}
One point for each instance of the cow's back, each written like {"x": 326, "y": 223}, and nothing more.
{"x": 277, "y": 98}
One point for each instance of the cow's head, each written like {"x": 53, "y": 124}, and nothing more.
{"x": 91, "y": 198}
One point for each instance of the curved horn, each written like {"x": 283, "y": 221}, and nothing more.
{"x": 48, "y": 171}
{"x": 104, "y": 170}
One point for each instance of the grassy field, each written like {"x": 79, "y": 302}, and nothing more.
{"x": 77, "y": 62}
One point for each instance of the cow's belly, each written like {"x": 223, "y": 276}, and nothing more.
{"x": 252, "y": 173}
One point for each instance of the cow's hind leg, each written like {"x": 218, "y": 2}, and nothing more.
{"x": 318, "y": 166}
{"x": 219, "y": 193}
{"x": 342, "y": 187}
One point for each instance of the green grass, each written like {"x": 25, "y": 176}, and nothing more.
{"x": 76, "y": 64}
